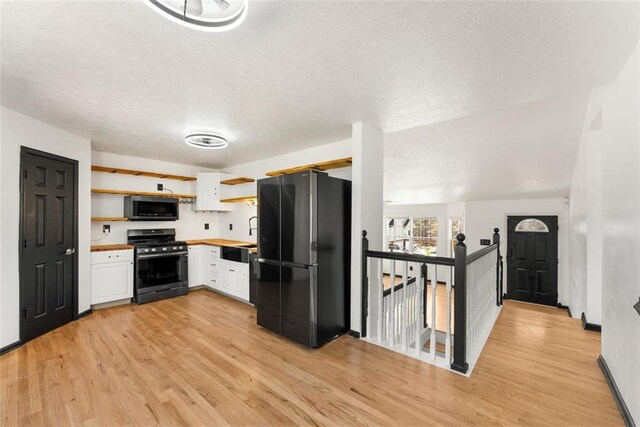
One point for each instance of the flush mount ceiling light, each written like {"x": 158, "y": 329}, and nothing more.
{"x": 206, "y": 140}
{"x": 203, "y": 15}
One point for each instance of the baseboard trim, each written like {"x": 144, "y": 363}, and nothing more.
{"x": 590, "y": 326}
{"x": 9, "y": 347}
{"x": 565, "y": 307}
{"x": 353, "y": 333}
{"x": 617, "y": 396}
{"x": 85, "y": 313}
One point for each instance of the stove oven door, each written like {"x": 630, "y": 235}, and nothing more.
{"x": 161, "y": 271}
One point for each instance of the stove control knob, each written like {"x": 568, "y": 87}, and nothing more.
{"x": 180, "y": 247}
{"x": 164, "y": 249}
{"x": 175, "y": 247}
{"x": 146, "y": 250}
{"x": 153, "y": 250}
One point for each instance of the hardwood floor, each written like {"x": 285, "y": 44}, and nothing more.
{"x": 201, "y": 360}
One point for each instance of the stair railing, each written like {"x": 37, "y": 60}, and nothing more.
{"x": 406, "y": 316}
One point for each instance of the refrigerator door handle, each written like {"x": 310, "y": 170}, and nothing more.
{"x": 295, "y": 265}
{"x": 268, "y": 261}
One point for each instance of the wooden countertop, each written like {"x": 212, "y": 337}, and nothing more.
{"x": 102, "y": 248}
{"x": 213, "y": 242}
{"x": 219, "y": 242}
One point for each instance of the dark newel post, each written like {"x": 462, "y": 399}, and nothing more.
{"x": 496, "y": 241}
{"x": 460, "y": 304}
{"x": 501, "y": 280}
{"x": 365, "y": 286}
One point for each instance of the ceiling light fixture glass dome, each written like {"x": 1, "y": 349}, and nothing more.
{"x": 203, "y": 15}
{"x": 209, "y": 141}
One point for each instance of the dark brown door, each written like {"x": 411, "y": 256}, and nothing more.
{"x": 532, "y": 259}
{"x": 48, "y": 260}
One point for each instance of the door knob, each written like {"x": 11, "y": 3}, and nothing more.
{"x": 70, "y": 251}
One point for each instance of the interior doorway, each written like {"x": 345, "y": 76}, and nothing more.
{"x": 532, "y": 259}
{"x": 48, "y": 242}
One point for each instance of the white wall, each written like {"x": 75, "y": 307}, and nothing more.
{"x": 239, "y": 218}
{"x": 578, "y": 206}
{"x": 4, "y": 336}
{"x": 593, "y": 308}
{"x": 585, "y": 211}
{"x": 367, "y": 178}
{"x": 189, "y": 226}
{"x": 481, "y": 217}
{"x": 585, "y": 257}
{"x": 621, "y": 232}
{"x": 19, "y": 130}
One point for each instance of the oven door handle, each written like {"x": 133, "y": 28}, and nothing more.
{"x": 163, "y": 254}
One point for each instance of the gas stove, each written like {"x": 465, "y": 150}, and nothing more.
{"x": 161, "y": 267}
{"x": 165, "y": 247}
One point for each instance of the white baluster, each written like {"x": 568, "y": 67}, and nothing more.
{"x": 434, "y": 287}
{"x": 392, "y": 306}
{"x": 418, "y": 314}
{"x": 447, "y": 348}
{"x": 404, "y": 324}
{"x": 381, "y": 300}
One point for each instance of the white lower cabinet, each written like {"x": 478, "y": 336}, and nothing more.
{"x": 196, "y": 276}
{"x": 242, "y": 283}
{"x": 111, "y": 276}
{"x": 211, "y": 266}
{"x": 234, "y": 279}
{"x": 206, "y": 267}
{"x": 225, "y": 279}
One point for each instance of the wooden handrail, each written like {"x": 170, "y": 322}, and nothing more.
{"x": 481, "y": 252}
{"x": 399, "y": 286}
{"x": 422, "y": 259}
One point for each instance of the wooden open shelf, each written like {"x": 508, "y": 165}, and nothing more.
{"x": 107, "y": 219}
{"x": 322, "y": 166}
{"x": 240, "y": 199}
{"x": 142, "y": 193}
{"x": 96, "y": 168}
{"x": 236, "y": 181}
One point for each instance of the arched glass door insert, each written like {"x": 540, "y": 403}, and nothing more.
{"x": 532, "y": 225}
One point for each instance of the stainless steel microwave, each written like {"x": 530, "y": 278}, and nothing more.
{"x": 150, "y": 208}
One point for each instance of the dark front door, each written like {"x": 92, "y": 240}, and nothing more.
{"x": 48, "y": 261}
{"x": 532, "y": 259}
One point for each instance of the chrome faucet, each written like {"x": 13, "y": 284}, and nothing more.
{"x": 252, "y": 228}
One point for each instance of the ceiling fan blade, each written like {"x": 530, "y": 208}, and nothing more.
{"x": 222, "y": 4}
{"x": 194, "y": 7}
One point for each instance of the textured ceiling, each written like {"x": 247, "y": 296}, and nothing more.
{"x": 296, "y": 74}
{"x": 526, "y": 151}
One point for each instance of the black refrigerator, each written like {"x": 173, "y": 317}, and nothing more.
{"x": 304, "y": 251}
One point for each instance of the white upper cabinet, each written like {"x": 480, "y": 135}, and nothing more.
{"x": 209, "y": 192}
